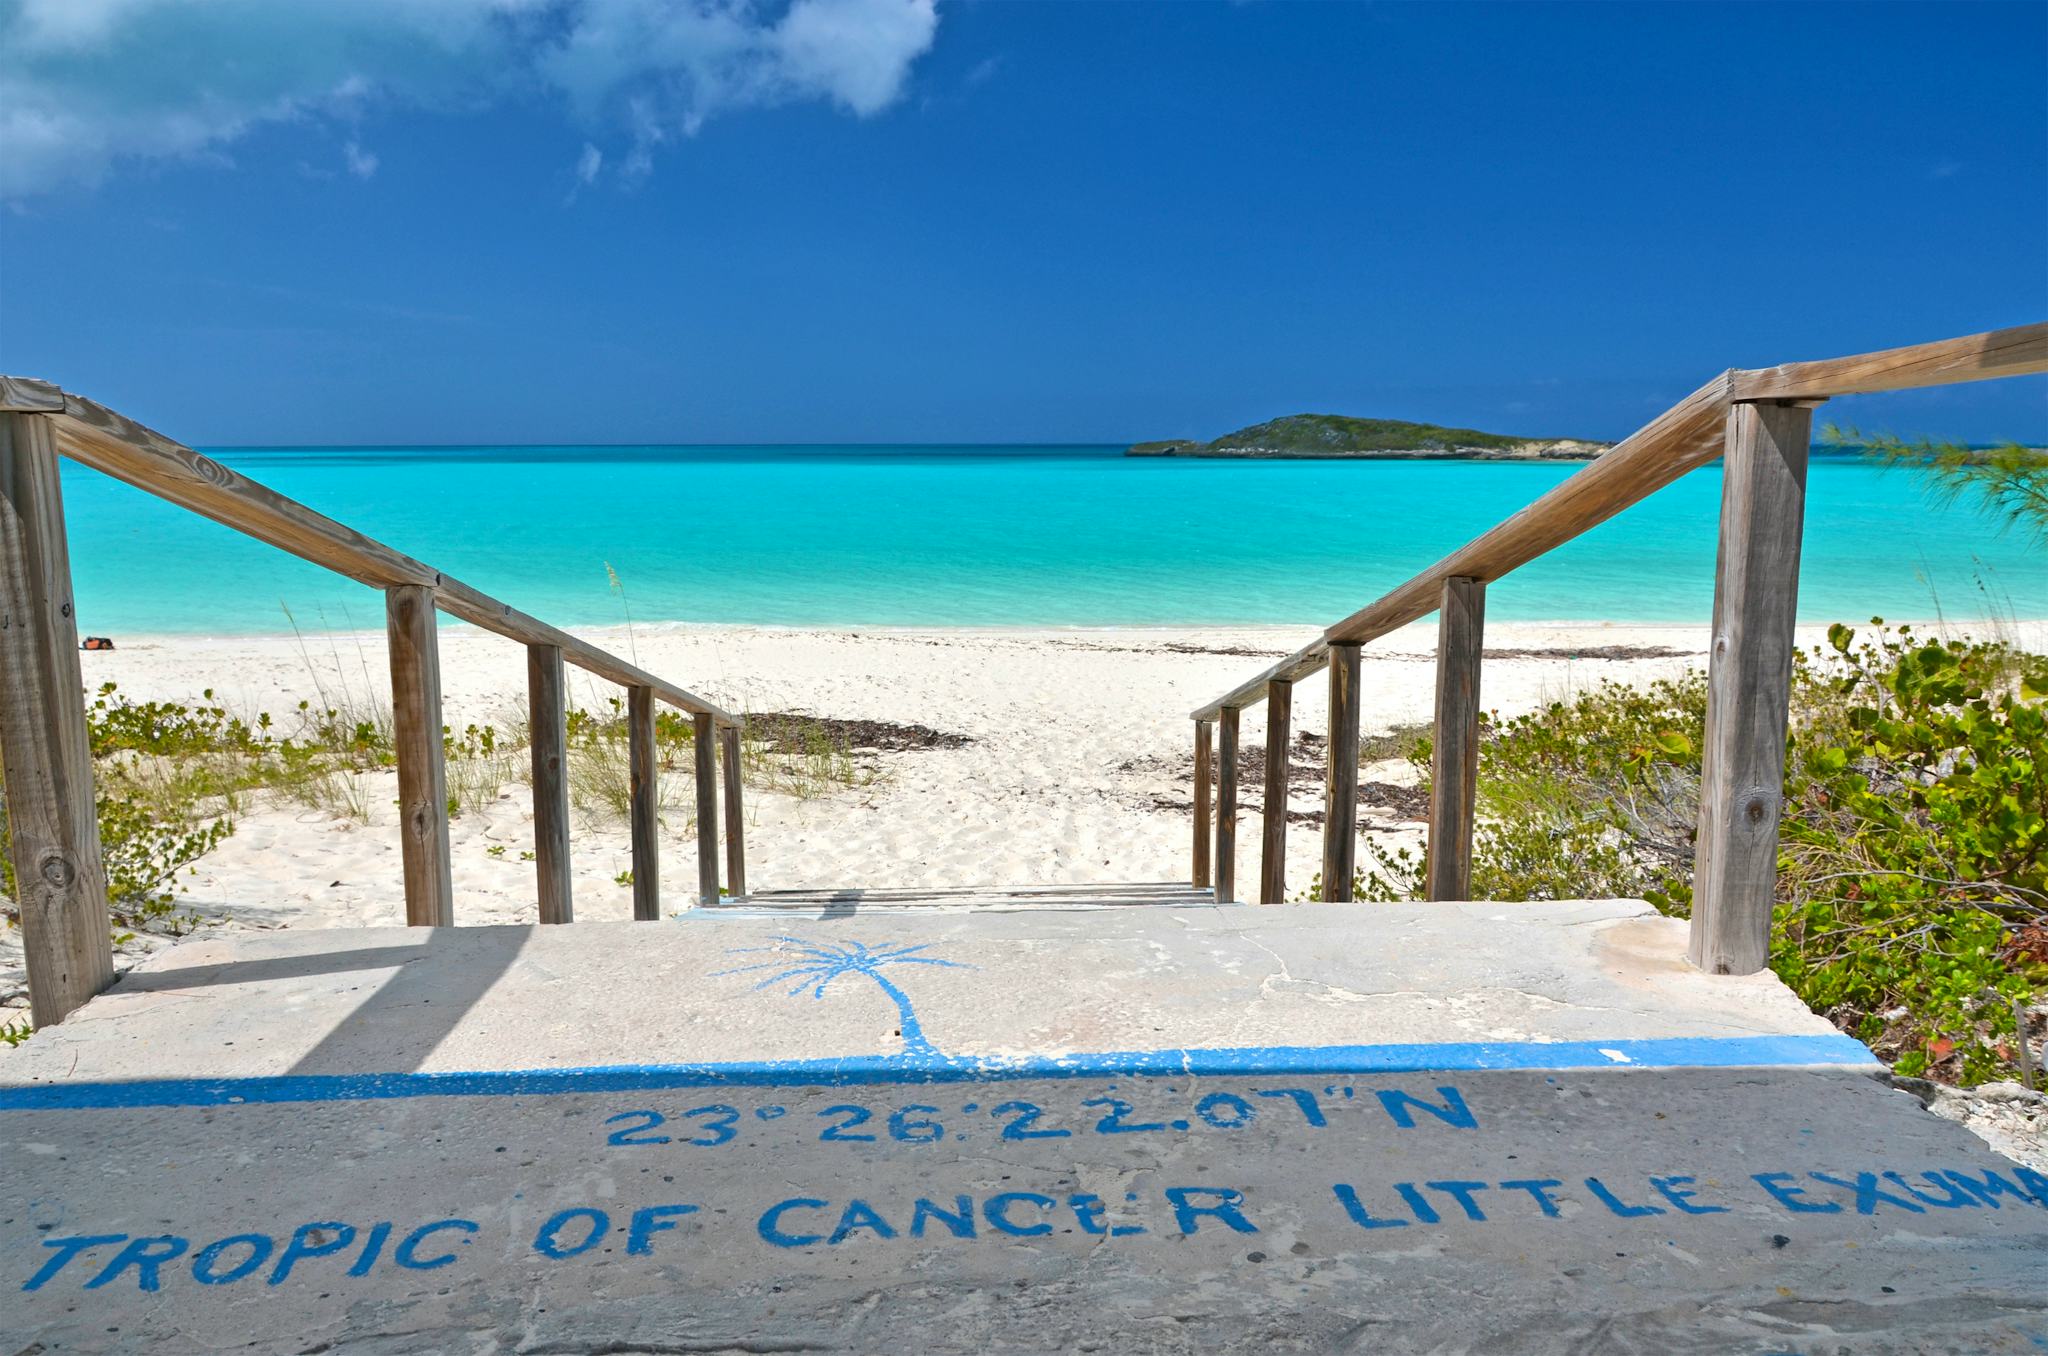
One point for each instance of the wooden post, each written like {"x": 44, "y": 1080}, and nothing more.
{"x": 1749, "y": 679}
{"x": 45, "y": 752}
{"x": 1454, "y": 765}
{"x": 1340, "y": 783}
{"x": 548, "y": 714}
{"x": 644, "y": 782}
{"x": 1226, "y": 805}
{"x": 1273, "y": 836}
{"x": 735, "y": 820}
{"x": 410, "y": 624}
{"x": 706, "y": 742}
{"x": 1205, "y": 776}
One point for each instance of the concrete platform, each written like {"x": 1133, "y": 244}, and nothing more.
{"x": 1318, "y": 1128}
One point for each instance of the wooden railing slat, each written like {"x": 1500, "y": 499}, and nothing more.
{"x": 547, "y": 697}
{"x": 735, "y": 815}
{"x": 1454, "y": 754}
{"x": 1683, "y": 438}
{"x": 480, "y": 609}
{"x": 705, "y": 746}
{"x": 422, "y": 767}
{"x": 29, "y": 396}
{"x": 1303, "y": 663}
{"x": 1205, "y": 777}
{"x": 116, "y": 445}
{"x": 643, "y": 762}
{"x": 1226, "y": 805}
{"x": 1340, "y": 783}
{"x": 1749, "y": 677}
{"x": 2014, "y": 352}
{"x": 1273, "y": 818}
{"x": 45, "y": 748}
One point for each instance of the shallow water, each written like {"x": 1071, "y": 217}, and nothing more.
{"x": 981, "y": 536}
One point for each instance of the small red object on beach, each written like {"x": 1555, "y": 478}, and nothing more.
{"x": 96, "y": 643}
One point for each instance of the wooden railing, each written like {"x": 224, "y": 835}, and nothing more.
{"x": 47, "y": 764}
{"x": 1758, "y": 422}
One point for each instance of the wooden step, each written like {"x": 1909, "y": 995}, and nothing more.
{"x": 1111, "y": 895}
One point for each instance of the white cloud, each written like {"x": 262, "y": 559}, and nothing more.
{"x": 361, "y": 163}
{"x": 854, "y": 52}
{"x": 588, "y": 164}
{"x": 92, "y": 84}
{"x": 661, "y": 68}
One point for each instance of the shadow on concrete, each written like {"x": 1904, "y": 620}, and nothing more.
{"x": 271, "y": 968}
{"x": 411, "y": 1013}
{"x": 402, "y": 1018}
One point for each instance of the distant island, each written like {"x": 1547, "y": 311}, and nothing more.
{"x": 1337, "y": 435}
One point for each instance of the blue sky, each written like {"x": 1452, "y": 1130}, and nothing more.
{"x": 393, "y": 221}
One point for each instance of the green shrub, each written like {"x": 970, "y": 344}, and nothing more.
{"x": 166, "y": 776}
{"x": 1912, "y": 904}
{"x": 144, "y": 855}
{"x": 169, "y": 778}
{"x": 1914, "y": 861}
{"x": 1591, "y": 798}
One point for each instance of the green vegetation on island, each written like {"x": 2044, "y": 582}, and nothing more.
{"x": 1339, "y": 435}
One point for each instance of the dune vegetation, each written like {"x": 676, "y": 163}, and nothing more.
{"x": 1912, "y": 900}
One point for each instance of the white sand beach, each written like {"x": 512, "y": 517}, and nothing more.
{"x": 1075, "y": 766}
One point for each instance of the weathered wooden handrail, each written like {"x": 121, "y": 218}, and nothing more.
{"x": 42, "y": 713}
{"x": 1762, "y": 512}
{"x": 93, "y": 435}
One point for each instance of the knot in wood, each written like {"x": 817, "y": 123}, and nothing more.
{"x": 210, "y": 471}
{"x": 1759, "y": 806}
{"x": 57, "y": 871}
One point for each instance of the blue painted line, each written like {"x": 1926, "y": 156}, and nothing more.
{"x": 1260, "y": 1061}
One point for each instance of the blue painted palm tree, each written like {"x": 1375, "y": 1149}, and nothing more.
{"x": 816, "y": 964}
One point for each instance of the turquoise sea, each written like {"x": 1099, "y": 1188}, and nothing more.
{"x": 988, "y": 536}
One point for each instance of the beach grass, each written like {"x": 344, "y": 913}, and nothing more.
{"x": 174, "y": 778}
